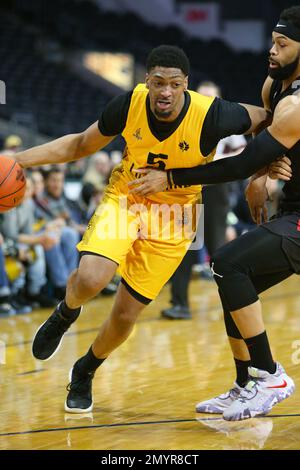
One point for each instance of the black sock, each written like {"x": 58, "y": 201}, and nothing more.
{"x": 260, "y": 353}
{"x": 89, "y": 363}
{"x": 69, "y": 313}
{"x": 241, "y": 371}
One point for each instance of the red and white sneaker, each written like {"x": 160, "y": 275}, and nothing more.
{"x": 262, "y": 392}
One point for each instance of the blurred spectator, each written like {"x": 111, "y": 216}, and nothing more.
{"x": 6, "y": 308}
{"x": 83, "y": 209}
{"x": 17, "y": 225}
{"x": 12, "y": 144}
{"x": 75, "y": 170}
{"x": 98, "y": 170}
{"x": 53, "y": 213}
{"x": 38, "y": 183}
{"x": 53, "y": 196}
{"x": 53, "y": 204}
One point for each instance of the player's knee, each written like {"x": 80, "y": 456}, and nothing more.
{"x": 230, "y": 277}
{"x": 235, "y": 286}
{"x": 128, "y": 315}
{"x": 90, "y": 285}
{"x": 126, "y": 318}
{"x": 220, "y": 268}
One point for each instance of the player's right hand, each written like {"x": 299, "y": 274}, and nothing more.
{"x": 257, "y": 196}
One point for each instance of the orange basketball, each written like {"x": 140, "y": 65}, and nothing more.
{"x": 12, "y": 183}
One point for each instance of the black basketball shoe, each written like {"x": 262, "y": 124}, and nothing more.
{"x": 48, "y": 337}
{"x": 79, "y": 399}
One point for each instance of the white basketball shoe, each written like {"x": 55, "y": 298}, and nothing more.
{"x": 262, "y": 392}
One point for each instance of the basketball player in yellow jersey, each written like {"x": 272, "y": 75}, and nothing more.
{"x": 165, "y": 126}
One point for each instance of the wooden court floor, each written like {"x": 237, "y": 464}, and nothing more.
{"x": 146, "y": 391}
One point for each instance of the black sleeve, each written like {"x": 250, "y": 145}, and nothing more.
{"x": 223, "y": 118}
{"x": 260, "y": 152}
{"x": 114, "y": 116}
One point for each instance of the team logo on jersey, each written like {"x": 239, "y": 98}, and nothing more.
{"x": 137, "y": 134}
{"x": 184, "y": 146}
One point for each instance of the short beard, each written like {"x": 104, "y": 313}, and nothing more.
{"x": 285, "y": 72}
{"x": 162, "y": 114}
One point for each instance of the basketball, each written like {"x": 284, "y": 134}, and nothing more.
{"x": 12, "y": 183}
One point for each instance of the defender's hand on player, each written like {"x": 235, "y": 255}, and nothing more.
{"x": 153, "y": 181}
{"x": 281, "y": 169}
{"x": 257, "y": 196}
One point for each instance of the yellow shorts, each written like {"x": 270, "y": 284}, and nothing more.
{"x": 147, "y": 240}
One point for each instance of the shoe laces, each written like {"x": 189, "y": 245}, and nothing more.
{"x": 81, "y": 383}
{"x": 56, "y": 325}
{"x": 235, "y": 391}
{"x": 251, "y": 389}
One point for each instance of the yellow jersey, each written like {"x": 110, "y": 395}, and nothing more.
{"x": 180, "y": 150}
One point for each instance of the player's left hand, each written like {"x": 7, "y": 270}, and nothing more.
{"x": 281, "y": 169}
{"x": 154, "y": 181}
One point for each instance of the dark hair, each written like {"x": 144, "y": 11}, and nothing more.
{"x": 168, "y": 56}
{"x": 292, "y": 15}
{"x": 88, "y": 190}
{"x": 51, "y": 171}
